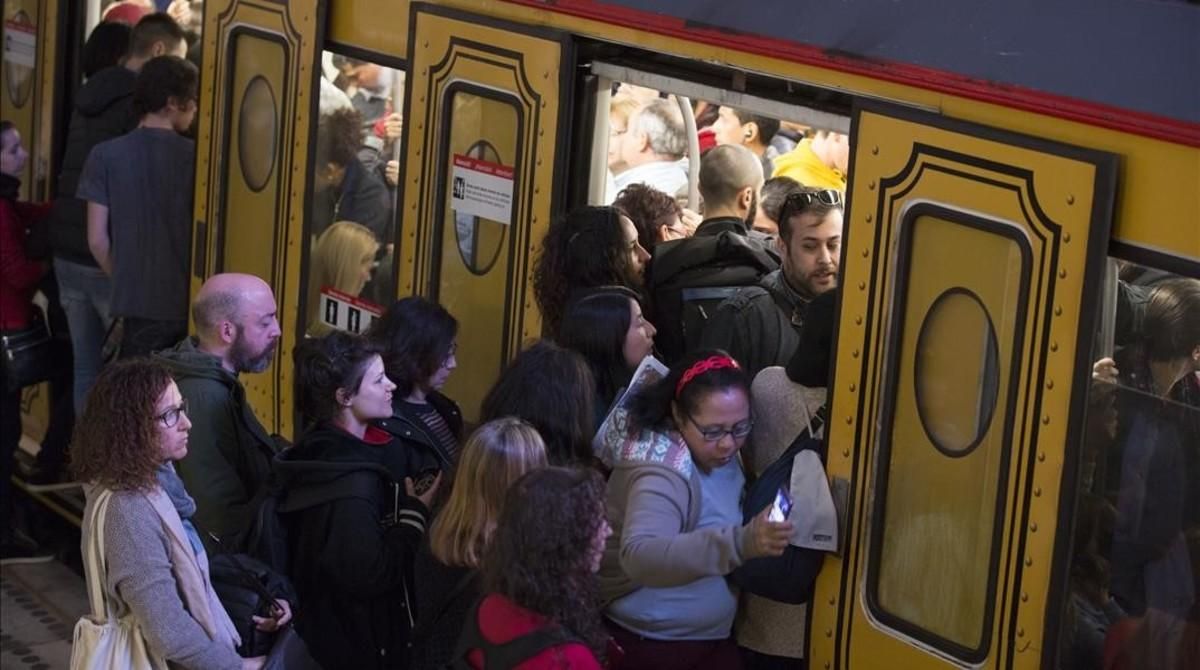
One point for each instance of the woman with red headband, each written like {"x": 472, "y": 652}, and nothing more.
{"x": 674, "y": 504}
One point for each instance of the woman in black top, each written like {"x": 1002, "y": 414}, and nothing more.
{"x": 418, "y": 341}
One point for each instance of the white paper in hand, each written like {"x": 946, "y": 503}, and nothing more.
{"x": 813, "y": 515}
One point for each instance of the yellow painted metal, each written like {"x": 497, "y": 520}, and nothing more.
{"x": 375, "y": 25}
{"x": 519, "y": 72}
{"x": 985, "y": 186}
{"x": 247, "y": 222}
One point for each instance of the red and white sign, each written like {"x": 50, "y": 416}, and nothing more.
{"x": 481, "y": 188}
{"x": 345, "y": 312}
{"x": 20, "y": 42}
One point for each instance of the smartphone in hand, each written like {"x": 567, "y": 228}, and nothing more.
{"x": 782, "y": 507}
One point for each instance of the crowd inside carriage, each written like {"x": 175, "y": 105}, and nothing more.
{"x": 610, "y": 508}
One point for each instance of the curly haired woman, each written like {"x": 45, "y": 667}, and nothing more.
{"x": 590, "y": 248}
{"x": 539, "y": 575}
{"x": 133, "y": 427}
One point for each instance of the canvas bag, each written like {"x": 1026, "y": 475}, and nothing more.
{"x": 103, "y": 641}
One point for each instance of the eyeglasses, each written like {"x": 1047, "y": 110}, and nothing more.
{"x": 802, "y": 199}
{"x": 740, "y": 430}
{"x": 171, "y": 417}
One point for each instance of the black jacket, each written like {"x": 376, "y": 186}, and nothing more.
{"x": 351, "y": 559}
{"x": 362, "y": 197}
{"x": 422, "y": 451}
{"x": 445, "y": 595}
{"x": 102, "y": 112}
{"x": 760, "y": 325}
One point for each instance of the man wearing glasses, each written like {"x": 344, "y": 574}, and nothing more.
{"x": 760, "y": 325}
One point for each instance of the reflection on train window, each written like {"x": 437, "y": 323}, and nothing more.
{"x": 938, "y": 508}
{"x": 355, "y": 172}
{"x": 1133, "y": 575}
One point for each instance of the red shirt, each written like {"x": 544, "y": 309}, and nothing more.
{"x": 18, "y": 274}
{"x": 502, "y": 620}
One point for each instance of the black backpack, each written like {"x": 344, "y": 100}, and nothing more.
{"x": 788, "y": 578}
{"x": 690, "y": 278}
{"x": 267, "y": 540}
{"x": 509, "y": 654}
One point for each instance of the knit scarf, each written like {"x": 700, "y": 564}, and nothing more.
{"x": 189, "y": 563}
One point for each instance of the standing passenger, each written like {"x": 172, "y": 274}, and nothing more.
{"x": 102, "y": 112}
{"x": 589, "y": 248}
{"x": 656, "y": 215}
{"x": 447, "y": 570}
{"x": 139, "y": 214}
{"x": 675, "y": 501}
{"x": 418, "y": 338}
{"x": 774, "y": 193}
{"x": 230, "y": 454}
{"x": 753, "y": 131}
{"x": 352, "y": 557}
{"x": 653, "y": 147}
{"x": 539, "y": 573}
{"x": 820, "y": 161}
{"x": 551, "y": 388}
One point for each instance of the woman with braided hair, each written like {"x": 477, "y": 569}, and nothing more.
{"x": 674, "y": 502}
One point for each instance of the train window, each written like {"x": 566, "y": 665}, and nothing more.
{"x": 935, "y": 528}
{"x": 355, "y": 172}
{"x": 1132, "y": 576}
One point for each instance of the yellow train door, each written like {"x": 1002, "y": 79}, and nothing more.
{"x": 482, "y": 130}
{"x": 257, "y": 93}
{"x": 29, "y": 85}
{"x": 970, "y": 276}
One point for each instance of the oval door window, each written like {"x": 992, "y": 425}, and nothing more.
{"x": 20, "y": 56}
{"x": 956, "y": 372}
{"x": 257, "y": 129}
{"x": 479, "y": 240}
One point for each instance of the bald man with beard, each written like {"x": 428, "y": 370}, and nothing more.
{"x": 229, "y": 452}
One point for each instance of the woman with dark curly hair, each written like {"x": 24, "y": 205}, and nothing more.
{"x": 675, "y": 501}
{"x": 155, "y": 570}
{"x": 351, "y": 556}
{"x": 418, "y": 338}
{"x": 657, "y": 216}
{"x": 539, "y": 574}
{"x": 551, "y": 388}
{"x": 590, "y": 247}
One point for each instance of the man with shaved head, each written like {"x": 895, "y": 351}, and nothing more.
{"x": 689, "y": 278}
{"x": 229, "y": 453}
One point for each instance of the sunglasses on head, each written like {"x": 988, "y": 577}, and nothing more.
{"x": 802, "y": 199}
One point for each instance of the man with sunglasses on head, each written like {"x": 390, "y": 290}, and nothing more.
{"x": 760, "y": 325}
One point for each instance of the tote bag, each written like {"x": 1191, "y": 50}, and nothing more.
{"x": 103, "y": 641}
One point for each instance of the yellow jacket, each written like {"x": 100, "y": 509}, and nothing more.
{"x": 803, "y": 165}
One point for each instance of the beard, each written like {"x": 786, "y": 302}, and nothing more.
{"x": 245, "y": 360}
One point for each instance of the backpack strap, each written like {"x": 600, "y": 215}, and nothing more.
{"x": 508, "y": 654}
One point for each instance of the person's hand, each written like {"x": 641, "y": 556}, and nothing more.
{"x": 255, "y": 663}
{"x": 181, "y": 11}
{"x": 391, "y": 171}
{"x": 1105, "y": 371}
{"x": 393, "y": 125}
{"x": 281, "y": 615}
{"x": 766, "y": 538}
{"x": 426, "y": 497}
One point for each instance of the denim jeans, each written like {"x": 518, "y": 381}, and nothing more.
{"x": 84, "y": 294}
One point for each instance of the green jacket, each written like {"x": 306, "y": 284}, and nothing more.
{"x": 229, "y": 452}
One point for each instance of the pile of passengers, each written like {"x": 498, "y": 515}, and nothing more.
{"x": 589, "y": 520}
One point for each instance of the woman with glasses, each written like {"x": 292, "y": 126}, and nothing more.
{"x": 152, "y": 566}
{"x": 674, "y": 502}
{"x": 419, "y": 338}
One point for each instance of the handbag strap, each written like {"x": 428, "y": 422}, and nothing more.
{"x": 95, "y": 559}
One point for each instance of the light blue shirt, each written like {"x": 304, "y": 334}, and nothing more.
{"x": 703, "y": 609}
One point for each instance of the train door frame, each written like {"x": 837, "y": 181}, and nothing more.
{"x": 473, "y": 62}
{"x": 299, "y": 31}
{"x": 842, "y": 595}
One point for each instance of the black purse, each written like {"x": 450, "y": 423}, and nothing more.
{"x": 27, "y": 355}
{"x": 248, "y": 588}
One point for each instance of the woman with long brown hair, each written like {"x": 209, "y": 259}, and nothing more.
{"x": 154, "y": 568}
{"x": 539, "y": 573}
{"x": 447, "y": 569}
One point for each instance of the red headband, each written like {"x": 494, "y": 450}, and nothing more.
{"x": 698, "y": 368}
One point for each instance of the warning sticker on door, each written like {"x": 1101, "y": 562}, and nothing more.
{"x": 482, "y": 189}
{"x": 20, "y": 42}
{"x": 345, "y": 312}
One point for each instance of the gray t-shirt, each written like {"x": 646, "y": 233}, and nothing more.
{"x": 145, "y": 179}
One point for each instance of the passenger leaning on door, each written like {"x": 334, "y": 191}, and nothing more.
{"x": 139, "y": 193}
{"x": 229, "y": 457}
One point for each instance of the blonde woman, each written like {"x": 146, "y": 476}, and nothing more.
{"x": 343, "y": 258}
{"x": 495, "y": 456}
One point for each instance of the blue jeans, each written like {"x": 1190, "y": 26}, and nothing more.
{"x": 84, "y": 292}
